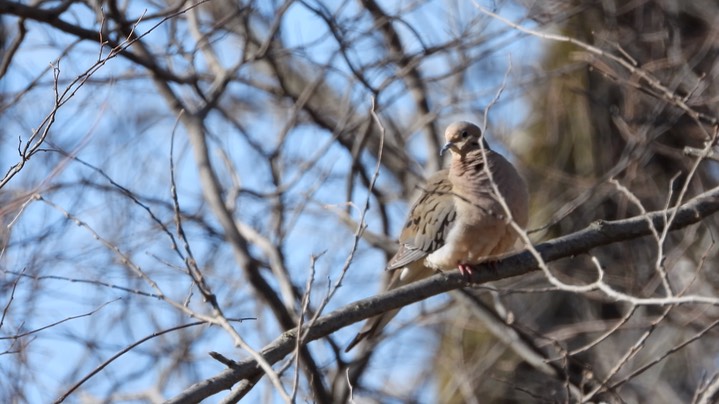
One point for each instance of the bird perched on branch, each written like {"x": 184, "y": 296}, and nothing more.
{"x": 459, "y": 219}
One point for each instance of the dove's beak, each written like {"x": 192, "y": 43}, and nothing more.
{"x": 446, "y": 147}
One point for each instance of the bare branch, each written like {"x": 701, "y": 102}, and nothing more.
{"x": 598, "y": 234}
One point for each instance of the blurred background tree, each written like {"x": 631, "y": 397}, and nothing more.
{"x": 171, "y": 165}
{"x": 594, "y": 120}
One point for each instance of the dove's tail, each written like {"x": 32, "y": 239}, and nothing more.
{"x": 374, "y": 325}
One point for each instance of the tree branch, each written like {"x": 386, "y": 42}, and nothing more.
{"x": 597, "y": 234}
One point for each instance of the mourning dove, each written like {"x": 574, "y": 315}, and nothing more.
{"x": 457, "y": 221}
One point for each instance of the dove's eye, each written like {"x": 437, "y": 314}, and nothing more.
{"x": 464, "y": 134}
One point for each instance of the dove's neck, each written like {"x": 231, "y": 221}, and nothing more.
{"x": 469, "y": 174}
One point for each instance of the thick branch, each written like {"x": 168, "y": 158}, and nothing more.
{"x": 595, "y": 235}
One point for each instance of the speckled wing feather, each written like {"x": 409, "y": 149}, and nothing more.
{"x": 425, "y": 231}
{"x": 428, "y": 224}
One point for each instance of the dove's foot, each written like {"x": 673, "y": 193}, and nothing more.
{"x": 466, "y": 271}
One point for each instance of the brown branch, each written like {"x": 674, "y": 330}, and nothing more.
{"x": 595, "y": 235}
{"x": 52, "y": 18}
{"x": 409, "y": 72}
{"x": 13, "y": 47}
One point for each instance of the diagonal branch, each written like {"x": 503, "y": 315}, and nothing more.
{"x": 595, "y": 235}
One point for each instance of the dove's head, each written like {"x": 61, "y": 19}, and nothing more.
{"x": 463, "y": 137}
